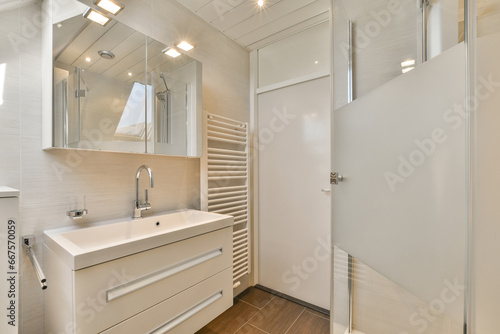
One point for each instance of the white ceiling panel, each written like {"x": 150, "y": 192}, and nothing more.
{"x": 134, "y": 54}
{"x": 252, "y": 26}
{"x": 6, "y": 5}
{"x": 215, "y": 9}
{"x": 242, "y": 13}
{"x": 292, "y": 30}
{"x": 195, "y": 5}
{"x": 283, "y": 23}
{"x": 111, "y": 39}
{"x": 82, "y": 42}
{"x": 269, "y": 15}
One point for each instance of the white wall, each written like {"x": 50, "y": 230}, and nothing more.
{"x": 106, "y": 179}
{"x": 298, "y": 55}
{"x": 487, "y": 227}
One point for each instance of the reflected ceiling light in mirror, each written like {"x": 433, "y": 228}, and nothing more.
{"x": 408, "y": 69}
{"x": 171, "y": 52}
{"x": 407, "y": 65}
{"x": 109, "y": 6}
{"x": 185, "y": 46}
{"x": 409, "y": 62}
{"x": 260, "y": 3}
{"x": 95, "y": 16}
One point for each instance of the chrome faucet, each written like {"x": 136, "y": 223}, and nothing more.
{"x": 138, "y": 206}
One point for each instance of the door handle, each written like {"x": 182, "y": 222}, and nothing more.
{"x": 325, "y": 190}
{"x": 336, "y": 178}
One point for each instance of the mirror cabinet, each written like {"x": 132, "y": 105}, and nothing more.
{"x": 112, "y": 88}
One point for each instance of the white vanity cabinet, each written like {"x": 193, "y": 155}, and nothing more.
{"x": 175, "y": 288}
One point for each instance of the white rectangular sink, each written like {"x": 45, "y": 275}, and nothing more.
{"x": 84, "y": 247}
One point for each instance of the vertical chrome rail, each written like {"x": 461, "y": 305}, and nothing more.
{"x": 350, "y": 83}
{"x": 470, "y": 21}
{"x": 79, "y": 102}
{"x": 425, "y": 10}
{"x": 65, "y": 113}
{"x": 350, "y": 98}
{"x": 350, "y": 286}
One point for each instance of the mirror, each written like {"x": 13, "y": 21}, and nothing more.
{"x": 114, "y": 89}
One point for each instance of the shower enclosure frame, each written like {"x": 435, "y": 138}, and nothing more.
{"x": 470, "y": 36}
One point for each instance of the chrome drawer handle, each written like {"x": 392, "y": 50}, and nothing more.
{"x": 169, "y": 325}
{"x": 144, "y": 281}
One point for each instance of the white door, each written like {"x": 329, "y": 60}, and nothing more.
{"x": 294, "y": 198}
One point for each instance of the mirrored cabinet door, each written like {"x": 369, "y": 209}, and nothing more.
{"x": 115, "y": 89}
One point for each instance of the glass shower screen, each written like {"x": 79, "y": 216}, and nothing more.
{"x": 399, "y": 214}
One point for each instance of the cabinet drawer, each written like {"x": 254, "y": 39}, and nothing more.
{"x": 184, "y": 313}
{"x": 108, "y": 293}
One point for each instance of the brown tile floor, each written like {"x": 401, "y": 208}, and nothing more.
{"x": 259, "y": 312}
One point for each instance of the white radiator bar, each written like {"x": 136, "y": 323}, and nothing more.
{"x": 228, "y": 199}
{"x": 226, "y": 155}
{"x": 223, "y": 124}
{"x": 238, "y": 133}
{"x": 220, "y": 150}
{"x": 223, "y": 167}
{"x": 227, "y": 173}
{"x": 222, "y": 189}
{"x": 226, "y": 161}
{"x": 223, "y": 140}
{"x": 225, "y": 178}
{"x": 227, "y": 135}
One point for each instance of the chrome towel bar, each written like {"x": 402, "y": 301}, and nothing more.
{"x": 28, "y": 242}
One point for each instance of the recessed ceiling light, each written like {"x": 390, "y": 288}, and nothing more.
{"x": 185, "y": 46}
{"x": 171, "y": 52}
{"x": 88, "y": 59}
{"x": 130, "y": 74}
{"x": 109, "y": 6}
{"x": 95, "y": 16}
{"x": 408, "y": 69}
{"x": 409, "y": 62}
{"x": 260, "y": 3}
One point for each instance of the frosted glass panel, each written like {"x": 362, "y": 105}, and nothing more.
{"x": 304, "y": 53}
{"x": 400, "y": 211}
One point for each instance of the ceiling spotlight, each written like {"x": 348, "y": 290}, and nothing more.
{"x": 409, "y": 62}
{"x": 185, "y": 46}
{"x": 130, "y": 74}
{"x": 109, "y": 6}
{"x": 95, "y": 16}
{"x": 88, "y": 59}
{"x": 171, "y": 52}
{"x": 260, "y": 3}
